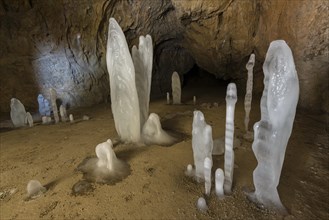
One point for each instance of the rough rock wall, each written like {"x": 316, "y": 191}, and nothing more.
{"x": 61, "y": 43}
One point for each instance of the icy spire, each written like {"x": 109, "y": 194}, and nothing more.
{"x": 272, "y": 132}
{"x": 143, "y": 60}
{"x": 231, "y": 98}
{"x": 53, "y": 97}
{"x": 207, "y": 174}
{"x": 176, "y": 88}
{"x": 248, "y": 96}
{"x": 124, "y": 98}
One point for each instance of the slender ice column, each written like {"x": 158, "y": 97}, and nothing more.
{"x": 17, "y": 112}
{"x": 62, "y": 112}
{"x": 153, "y": 133}
{"x": 53, "y": 96}
{"x": 176, "y": 88}
{"x": 207, "y": 175}
{"x": 219, "y": 183}
{"x": 248, "y": 97}
{"x": 231, "y": 98}
{"x": 194, "y": 100}
{"x": 29, "y": 119}
{"x": 272, "y": 132}
{"x": 124, "y": 98}
{"x": 202, "y": 143}
{"x": 168, "y": 98}
{"x": 143, "y": 59}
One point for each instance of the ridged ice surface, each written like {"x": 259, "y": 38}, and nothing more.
{"x": 248, "y": 96}
{"x": 272, "y": 132}
{"x": 124, "y": 98}
{"x": 231, "y": 99}
{"x": 202, "y": 143}
{"x": 143, "y": 60}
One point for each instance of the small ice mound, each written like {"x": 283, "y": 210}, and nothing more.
{"x": 34, "y": 189}
{"x": 153, "y": 133}
{"x": 202, "y": 205}
{"x": 106, "y": 168}
{"x": 189, "y": 171}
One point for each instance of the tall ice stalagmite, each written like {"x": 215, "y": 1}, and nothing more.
{"x": 124, "y": 98}
{"x": 272, "y": 132}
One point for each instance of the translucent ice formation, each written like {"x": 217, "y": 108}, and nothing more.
{"x": 29, "y": 119}
{"x": 143, "y": 60}
{"x": 202, "y": 143}
{"x": 176, "y": 88}
{"x": 248, "y": 96}
{"x": 231, "y": 98}
{"x": 34, "y": 189}
{"x": 71, "y": 118}
{"x": 62, "y": 112}
{"x": 53, "y": 97}
{"x": 124, "y": 98}
{"x": 153, "y": 133}
{"x": 44, "y": 106}
{"x": 106, "y": 168}
{"x": 202, "y": 205}
{"x": 219, "y": 183}
{"x": 168, "y": 98}
{"x": 207, "y": 175}
{"x": 17, "y": 112}
{"x": 272, "y": 132}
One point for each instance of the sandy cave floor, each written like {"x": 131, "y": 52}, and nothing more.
{"x": 157, "y": 187}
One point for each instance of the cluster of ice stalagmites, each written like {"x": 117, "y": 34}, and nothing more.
{"x": 130, "y": 83}
{"x": 248, "y": 96}
{"x": 272, "y": 132}
{"x": 202, "y": 143}
{"x": 231, "y": 99}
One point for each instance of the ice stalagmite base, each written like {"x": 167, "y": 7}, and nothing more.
{"x": 231, "y": 98}
{"x": 202, "y": 143}
{"x": 153, "y": 133}
{"x": 124, "y": 98}
{"x": 272, "y": 132}
{"x": 248, "y": 96}
{"x": 176, "y": 88}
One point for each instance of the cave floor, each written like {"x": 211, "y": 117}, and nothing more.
{"x": 157, "y": 187}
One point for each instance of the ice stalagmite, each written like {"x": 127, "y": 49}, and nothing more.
{"x": 272, "y": 132}
{"x": 124, "y": 98}
{"x": 176, "y": 88}
{"x": 62, "y": 112}
{"x": 219, "y": 183}
{"x": 153, "y": 133}
{"x": 143, "y": 60}
{"x": 207, "y": 175}
{"x": 29, "y": 119}
{"x": 231, "y": 98}
{"x": 17, "y": 112}
{"x": 202, "y": 143}
{"x": 248, "y": 96}
{"x": 53, "y": 97}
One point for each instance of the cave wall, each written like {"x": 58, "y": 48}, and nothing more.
{"x": 61, "y": 44}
